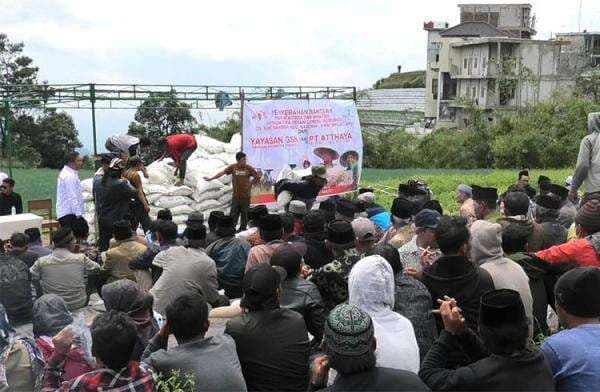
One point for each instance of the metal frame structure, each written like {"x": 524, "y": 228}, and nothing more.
{"x": 97, "y": 96}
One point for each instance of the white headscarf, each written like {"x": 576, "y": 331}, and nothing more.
{"x": 371, "y": 285}
{"x": 371, "y": 288}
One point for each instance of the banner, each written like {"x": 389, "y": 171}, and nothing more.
{"x": 285, "y": 138}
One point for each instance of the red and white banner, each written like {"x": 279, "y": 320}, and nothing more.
{"x": 298, "y": 134}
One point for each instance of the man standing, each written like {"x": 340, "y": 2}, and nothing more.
{"x": 69, "y": 197}
{"x": 241, "y": 174}
{"x": 9, "y": 199}
{"x": 179, "y": 147}
{"x": 464, "y": 195}
{"x": 587, "y": 171}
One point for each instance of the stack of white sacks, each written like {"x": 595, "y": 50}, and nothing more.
{"x": 197, "y": 195}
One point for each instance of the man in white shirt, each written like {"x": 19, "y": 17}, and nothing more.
{"x": 69, "y": 197}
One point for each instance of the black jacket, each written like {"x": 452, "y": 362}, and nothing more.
{"x": 273, "y": 349}
{"x": 10, "y": 201}
{"x": 15, "y": 289}
{"x": 317, "y": 254}
{"x": 378, "y": 379}
{"x": 302, "y": 190}
{"x": 528, "y": 371}
{"x": 114, "y": 198}
{"x": 303, "y": 297}
{"x": 457, "y": 277}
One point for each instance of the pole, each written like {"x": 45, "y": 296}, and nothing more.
{"x": 93, "y": 101}
{"x": 579, "y": 17}
{"x": 8, "y": 136}
{"x": 242, "y": 117}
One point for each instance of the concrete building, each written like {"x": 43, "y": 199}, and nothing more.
{"x": 516, "y": 19}
{"x": 583, "y": 50}
{"x": 489, "y": 60}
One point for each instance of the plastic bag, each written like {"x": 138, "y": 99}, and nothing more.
{"x": 83, "y": 338}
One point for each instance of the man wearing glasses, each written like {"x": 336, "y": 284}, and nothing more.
{"x": 9, "y": 199}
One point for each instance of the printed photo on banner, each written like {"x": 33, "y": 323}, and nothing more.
{"x": 285, "y": 138}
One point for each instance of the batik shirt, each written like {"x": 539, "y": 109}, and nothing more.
{"x": 332, "y": 278}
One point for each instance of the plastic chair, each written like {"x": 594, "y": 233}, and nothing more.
{"x": 43, "y": 208}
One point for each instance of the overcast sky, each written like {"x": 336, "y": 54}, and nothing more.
{"x": 321, "y": 42}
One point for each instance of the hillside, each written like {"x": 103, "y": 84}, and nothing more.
{"x": 413, "y": 79}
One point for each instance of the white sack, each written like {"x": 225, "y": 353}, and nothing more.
{"x": 209, "y": 144}
{"x": 87, "y": 196}
{"x": 206, "y": 205}
{"x": 183, "y": 209}
{"x": 179, "y": 191}
{"x": 179, "y": 219}
{"x": 155, "y": 188}
{"x": 173, "y": 201}
{"x": 152, "y": 198}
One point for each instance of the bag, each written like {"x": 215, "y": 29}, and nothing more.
{"x": 173, "y": 201}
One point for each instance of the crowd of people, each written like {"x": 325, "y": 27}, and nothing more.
{"x": 339, "y": 294}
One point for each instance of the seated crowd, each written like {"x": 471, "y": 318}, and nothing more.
{"x": 343, "y": 296}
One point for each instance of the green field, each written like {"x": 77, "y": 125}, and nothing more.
{"x": 443, "y": 182}
{"x": 41, "y": 183}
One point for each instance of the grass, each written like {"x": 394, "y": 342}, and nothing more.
{"x": 443, "y": 182}
{"x": 35, "y": 184}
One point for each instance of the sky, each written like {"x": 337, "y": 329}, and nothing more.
{"x": 305, "y": 42}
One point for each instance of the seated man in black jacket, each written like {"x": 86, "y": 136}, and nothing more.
{"x": 317, "y": 253}
{"x": 9, "y": 199}
{"x": 501, "y": 360}
{"x": 349, "y": 345}
{"x": 298, "y": 293}
{"x": 308, "y": 188}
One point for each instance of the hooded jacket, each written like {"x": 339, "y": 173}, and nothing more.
{"x": 587, "y": 170}
{"x": 457, "y": 277}
{"x": 371, "y": 288}
{"x": 486, "y": 251}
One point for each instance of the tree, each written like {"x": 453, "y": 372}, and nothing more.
{"x": 159, "y": 116}
{"x": 56, "y": 136}
{"x": 587, "y": 84}
{"x": 15, "y": 69}
{"x": 225, "y": 129}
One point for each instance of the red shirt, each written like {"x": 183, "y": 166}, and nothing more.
{"x": 177, "y": 144}
{"x": 580, "y": 251}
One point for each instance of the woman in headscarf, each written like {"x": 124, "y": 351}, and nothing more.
{"x": 371, "y": 288}
{"x": 125, "y": 296}
{"x": 50, "y": 316}
{"x": 21, "y": 363}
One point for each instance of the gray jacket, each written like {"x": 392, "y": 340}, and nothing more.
{"x": 212, "y": 361}
{"x": 587, "y": 171}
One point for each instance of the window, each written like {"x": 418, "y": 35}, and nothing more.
{"x": 468, "y": 92}
{"x": 482, "y": 91}
{"x": 474, "y": 92}
{"x": 484, "y": 62}
{"x": 437, "y": 58}
{"x": 465, "y": 64}
{"x": 475, "y": 62}
{"x": 434, "y": 88}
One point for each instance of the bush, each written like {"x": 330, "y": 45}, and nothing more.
{"x": 545, "y": 135}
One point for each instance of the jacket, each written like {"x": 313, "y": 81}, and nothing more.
{"x": 553, "y": 234}
{"x": 413, "y": 301}
{"x": 185, "y": 271}
{"x": 587, "y": 169}
{"x": 585, "y": 252}
{"x": 317, "y": 254}
{"x": 304, "y": 190}
{"x": 302, "y": 296}
{"x": 567, "y": 214}
{"x": 211, "y": 360}
{"x": 371, "y": 288}
{"x": 116, "y": 260}
{"x": 528, "y": 371}
{"x": 15, "y": 289}
{"x": 63, "y": 273}
{"x": 25, "y": 256}
{"x": 536, "y": 231}
{"x": 486, "y": 251}
{"x": 535, "y": 270}
{"x": 457, "y": 277}
{"x": 115, "y": 194}
{"x": 273, "y": 349}
{"x": 378, "y": 379}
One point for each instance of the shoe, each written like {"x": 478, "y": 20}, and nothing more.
{"x": 179, "y": 183}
